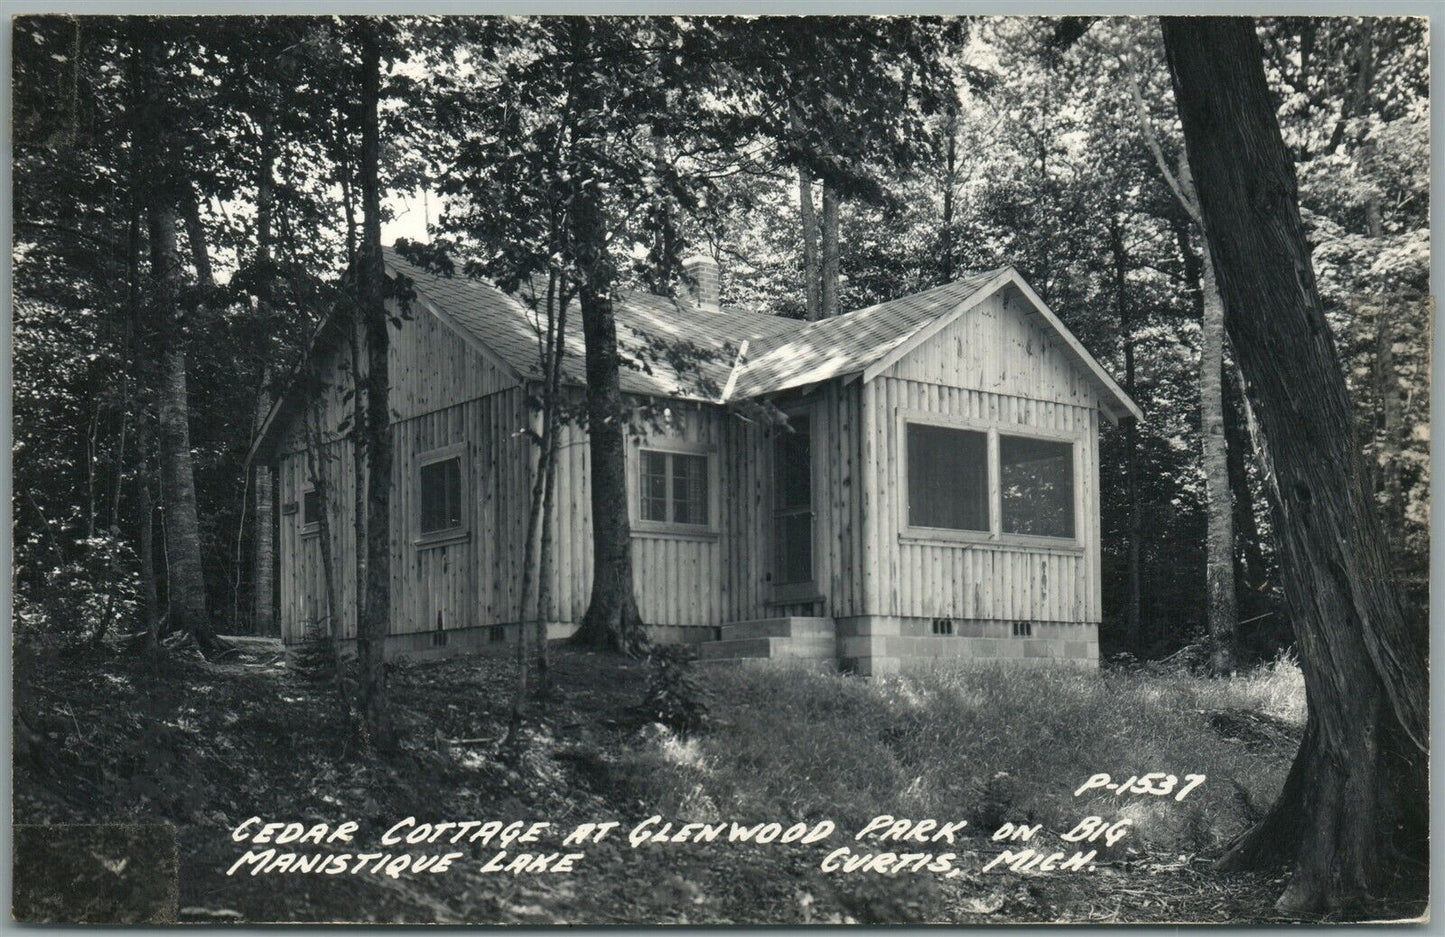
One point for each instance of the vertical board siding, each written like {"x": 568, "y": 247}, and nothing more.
{"x": 996, "y": 365}
{"x": 432, "y": 368}
{"x": 677, "y": 579}
{"x": 748, "y": 538}
{"x": 470, "y": 582}
{"x": 442, "y": 393}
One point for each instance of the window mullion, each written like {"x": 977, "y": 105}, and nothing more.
{"x": 995, "y": 491}
{"x": 670, "y": 510}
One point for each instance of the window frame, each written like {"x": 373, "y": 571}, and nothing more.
{"x": 307, "y": 528}
{"x": 798, "y": 590}
{"x": 995, "y": 535}
{"x": 462, "y": 531}
{"x": 671, "y": 529}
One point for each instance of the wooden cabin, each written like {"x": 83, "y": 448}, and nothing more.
{"x": 932, "y": 498}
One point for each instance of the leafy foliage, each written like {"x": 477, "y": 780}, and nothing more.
{"x": 675, "y": 697}
{"x": 960, "y": 145}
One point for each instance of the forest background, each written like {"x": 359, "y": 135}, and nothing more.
{"x": 1063, "y": 160}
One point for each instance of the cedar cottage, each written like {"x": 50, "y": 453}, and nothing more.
{"x": 935, "y": 499}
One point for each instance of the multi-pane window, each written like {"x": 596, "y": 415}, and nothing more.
{"x": 1036, "y": 482}
{"x": 949, "y": 474}
{"x": 947, "y": 477}
{"x": 441, "y": 495}
{"x": 674, "y": 488}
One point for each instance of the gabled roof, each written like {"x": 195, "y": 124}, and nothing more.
{"x": 713, "y": 355}
{"x": 849, "y": 343}
{"x": 672, "y": 350}
{"x": 668, "y": 349}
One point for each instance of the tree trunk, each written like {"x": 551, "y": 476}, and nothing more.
{"x": 1253, "y": 572}
{"x": 530, "y": 606}
{"x": 1387, "y": 386}
{"x": 1133, "y": 637}
{"x": 612, "y": 619}
{"x": 187, "y": 593}
{"x": 375, "y": 618}
{"x": 1221, "y": 609}
{"x": 544, "y": 572}
{"x": 811, "y": 272}
{"x": 828, "y": 288}
{"x": 1353, "y": 816}
{"x": 316, "y": 459}
{"x": 551, "y": 428}
{"x": 950, "y": 183}
{"x": 146, "y": 508}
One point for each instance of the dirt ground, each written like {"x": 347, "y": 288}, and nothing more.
{"x": 206, "y": 745}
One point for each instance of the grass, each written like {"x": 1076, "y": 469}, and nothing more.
{"x": 990, "y": 745}
{"x": 204, "y": 746}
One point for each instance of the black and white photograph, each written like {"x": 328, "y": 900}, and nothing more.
{"x": 616, "y": 468}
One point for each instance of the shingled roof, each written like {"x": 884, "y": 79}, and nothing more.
{"x": 673, "y": 350}
{"x": 668, "y": 349}
{"x": 847, "y": 344}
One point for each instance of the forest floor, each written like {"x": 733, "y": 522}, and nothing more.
{"x": 206, "y": 745}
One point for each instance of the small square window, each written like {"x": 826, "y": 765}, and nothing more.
{"x": 943, "y": 626}
{"x": 441, "y": 495}
{"x": 1023, "y": 629}
{"x": 674, "y": 488}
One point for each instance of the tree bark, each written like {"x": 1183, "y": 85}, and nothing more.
{"x": 316, "y": 459}
{"x": 263, "y": 581}
{"x": 375, "y": 618}
{"x": 1253, "y": 572}
{"x": 612, "y": 619}
{"x": 551, "y": 428}
{"x": 950, "y": 183}
{"x": 1133, "y": 635}
{"x": 1352, "y": 818}
{"x": 1222, "y": 612}
{"x": 811, "y": 272}
{"x": 145, "y": 507}
{"x": 828, "y": 288}
{"x": 187, "y": 593}
{"x": 1387, "y": 388}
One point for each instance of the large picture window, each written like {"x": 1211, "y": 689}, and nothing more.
{"x": 947, "y": 478}
{"x": 441, "y": 495}
{"x": 1036, "y": 483}
{"x": 986, "y": 481}
{"x": 674, "y": 488}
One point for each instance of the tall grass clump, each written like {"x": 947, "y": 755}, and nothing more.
{"x": 989, "y": 744}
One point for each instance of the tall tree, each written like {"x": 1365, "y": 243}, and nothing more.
{"x": 844, "y": 102}
{"x": 612, "y": 619}
{"x": 1352, "y": 817}
{"x": 375, "y": 620}
{"x": 165, "y": 189}
{"x": 1221, "y": 603}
